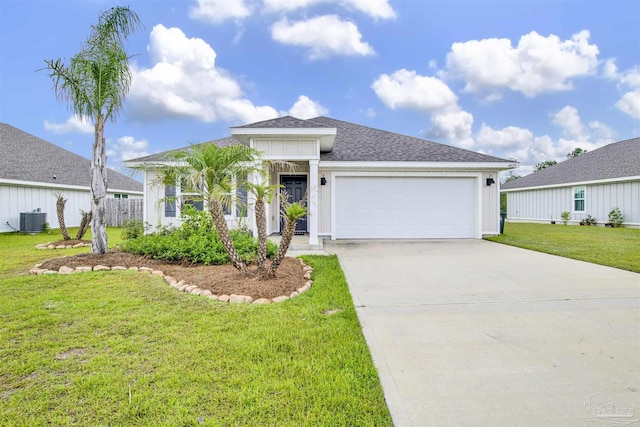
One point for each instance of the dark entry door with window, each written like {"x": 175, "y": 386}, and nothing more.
{"x": 295, "y": 186}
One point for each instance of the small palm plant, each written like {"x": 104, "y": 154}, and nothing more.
{"x": 291, "y": 213}
{"x": 60, "y": 204}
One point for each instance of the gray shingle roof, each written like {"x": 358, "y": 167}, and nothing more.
{"x": 25, "y": 157}
{"x": 283, "y": 122}
{"x": 362, "y": 144}
{"x": 168, "y": 155}
{"x": 616, "y": 160}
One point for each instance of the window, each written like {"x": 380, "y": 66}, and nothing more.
{"x": 190, "y": 196}
{"x": 170, "y": 201}
{"x": 579, "y": 194}
{"x": 120, "y": 196}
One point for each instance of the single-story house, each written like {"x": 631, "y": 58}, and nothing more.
{"x": 591, "y": 184}
{"x": 361, "y": 182}
{"x": 32, "y": 170}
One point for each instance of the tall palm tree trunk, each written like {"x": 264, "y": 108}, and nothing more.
{"x": 261, "y": 225}
{"x": 217, "y": 214}
{"x": 98, "y": 190}
{"x": 287, "y": 236}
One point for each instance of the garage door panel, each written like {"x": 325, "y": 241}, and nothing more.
{"x": 405, "y": 207}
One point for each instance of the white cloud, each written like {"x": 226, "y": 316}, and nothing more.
{"x": 454, "y": 127}
{"x": 536, "y": 65}
{"x": 217, "y": 11}
{"x": 374, "y": 8}
{"x": 407, "y": 89}
{"x": 305, "y": 108}
{"x": 184, "y": 82}
{"x": 72, "y": 125}
{"x": 569, "y": 120}
{"x": 630, "y": 103}
{"x": 324, "y": 36}
{"x": 127, "y": 147}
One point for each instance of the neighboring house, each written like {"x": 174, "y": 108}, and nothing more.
{"x": 591, "y": 184}
{"x": 361, "y": 182}
{"x": 32, "y": 170}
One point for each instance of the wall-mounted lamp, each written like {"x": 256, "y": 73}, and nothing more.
{"x": 490, "y": 180}
{"x": 323, "y": 180}
{"x": 55, "y": 176}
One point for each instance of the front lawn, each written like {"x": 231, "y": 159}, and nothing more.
{"x": 122, "y": 348}
{"x": 613, "y": 247}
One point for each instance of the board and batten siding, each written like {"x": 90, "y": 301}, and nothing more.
{"x": 287, "y": 148}
{"x": 544, "y": 205}
{"x": 15, "y": 199}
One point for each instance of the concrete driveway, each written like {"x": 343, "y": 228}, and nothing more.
{"x": 471, "y": 332}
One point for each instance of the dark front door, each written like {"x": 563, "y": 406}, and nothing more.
{"x": 295, "y": 186}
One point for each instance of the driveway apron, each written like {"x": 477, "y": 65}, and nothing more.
{"x": 470, "y": 332}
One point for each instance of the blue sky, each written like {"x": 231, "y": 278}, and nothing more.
{"x": 529, "y": 80}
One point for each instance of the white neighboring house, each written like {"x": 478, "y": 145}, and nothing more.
{"x": 362, "y": 182}
{"x": 32, "y": 170}
{"x": 591, "y": 184}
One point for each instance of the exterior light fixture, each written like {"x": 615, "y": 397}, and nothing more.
{"x": 323, "y": 180}
{"x": 490, "y": 180}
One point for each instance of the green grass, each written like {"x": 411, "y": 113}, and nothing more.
{"x": 73, "y": 347}
{"x": 613, "y": 247}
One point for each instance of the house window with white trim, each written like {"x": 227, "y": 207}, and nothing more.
{"x": 191, "y": 196}
{"x": 170, "y": 201}
{"x": 579, "y": 196}
{"x": 120, "y": 196}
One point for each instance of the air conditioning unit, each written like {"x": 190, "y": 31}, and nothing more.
{"x": 32, "y": 222}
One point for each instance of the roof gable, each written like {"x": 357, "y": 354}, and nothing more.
{"x": 286, "y": 122}
{"x": 615, "y": 160}
{"x": 25, "y": 157}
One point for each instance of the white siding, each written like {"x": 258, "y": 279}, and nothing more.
{"x": 15, "y": 199}
{"x": 542, "y": 205}
{"x": 287, "y": 148}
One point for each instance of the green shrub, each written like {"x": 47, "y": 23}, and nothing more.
{"x": 132, "y": 229}
{"x": 615, "y": 217}
{"x": 196, "y": 242}
{"x": 566, "y": 216}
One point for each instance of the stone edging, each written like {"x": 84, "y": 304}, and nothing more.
{"x": 50, "y": 245}
{"x": 182, "y": 286}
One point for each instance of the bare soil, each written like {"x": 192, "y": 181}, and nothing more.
{"x": 219, "y": 279}
{"x": 70, "y": 242}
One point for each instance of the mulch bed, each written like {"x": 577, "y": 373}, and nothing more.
{"x": 219, "y": 279}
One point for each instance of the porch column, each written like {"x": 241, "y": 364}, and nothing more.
{"x": 255, "y": 178}
{"x": 312, "y": 217}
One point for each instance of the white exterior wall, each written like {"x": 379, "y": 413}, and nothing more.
{"x": 287, "y": 148}
{"x": 15, "y": 199}
{"x": 543, "y": 205}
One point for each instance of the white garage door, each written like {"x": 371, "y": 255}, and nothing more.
{"x": 404, "y": 207}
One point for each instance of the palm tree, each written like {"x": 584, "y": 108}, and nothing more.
{"x": 60, "y": 204}
{"x": 291, "y": 213}
{"x": 94, "y": 84}
{"x": 210, "y": 171}
{"x": 264, "y": 194}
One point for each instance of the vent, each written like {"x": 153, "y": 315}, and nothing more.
{"x": 32, "y": 222}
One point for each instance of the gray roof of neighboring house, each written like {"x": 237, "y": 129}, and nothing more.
{"x": 616, "y": 160}
{"x": 24, "y": 157}
{"x": 358, "y": 143}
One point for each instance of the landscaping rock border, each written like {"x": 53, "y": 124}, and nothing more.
{"x": 50, "y": 245}
{"x": 182, "y": 286}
